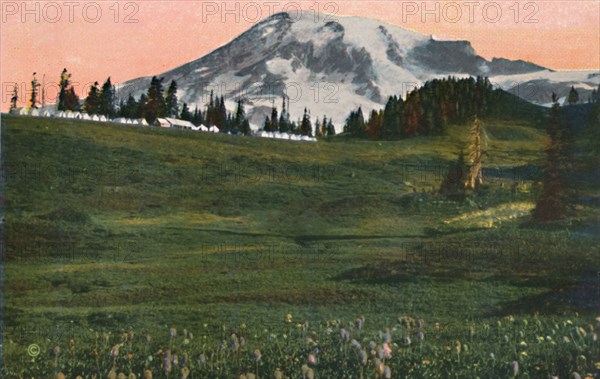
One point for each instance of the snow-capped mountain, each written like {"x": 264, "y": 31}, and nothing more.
{"x": 332, "y": 67}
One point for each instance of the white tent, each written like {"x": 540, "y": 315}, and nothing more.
{"x": 179, "y": 124}
{"x": 102, "y": 118}
{"x": 85, "y": 116}
{"x": 196, "y": 128}
{"x": 128, "y": 121}
{"x": 284, "y": 136}
{"x": 23, "y": 111}
{"x": 203, "y": 128}
{"x": 270, "y": 135}
{"x": 47, "y": 114}
{"x": 213, "y": 129}
{"x": 162, "y": 123}
{"x": 95, "y": 118}
{"x": 70, "y": 114}
{"x": 77, "y": 115}
{"x": 35, "y": 112}
{"x": 305, "y": 138}
{"x": 61, "y": 114}
{"x": 120, "y": 120}
{"x": 143, "y": 122}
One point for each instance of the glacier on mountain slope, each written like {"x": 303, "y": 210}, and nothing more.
{"x": 332, "y": 67}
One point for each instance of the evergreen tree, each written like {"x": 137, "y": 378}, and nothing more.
{"x": 34, "y": 91}
{"x": 284, "y": 121}
{"x": 14, "y": 98}
{"x": 305, "y": 125}
{"x": 475, "y": 178}
{"x": 267, "y": 124}
{"x": 172, "y": 108}
{"x": 92, "y": 101}
{"x": 330, "y": 131}
{"x": 185, "y": 113}
{"x": 130, "y": 108}
{"x": 64, "y": 88}
{"x": 106, "y": 104}
{"x": 221, "y": 115}
{"x": 318, "y": 128}
{"x": 155, "y": 105}
{"x": 71, "y": 101}
{"x": 573, "y": 96}
{"x": 274, "y": 119}
{"x": 552, "y": 204}
{"x": 141, "y": 105}
{"x": 355, "y": 123}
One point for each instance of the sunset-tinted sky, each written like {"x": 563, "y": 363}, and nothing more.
{"x": 129, "y": 39}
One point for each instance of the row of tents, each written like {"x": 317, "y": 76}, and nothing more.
{"x": 283, "y": 135}
{"x": 75, "y": 115}
{"x": 167, "y": 122}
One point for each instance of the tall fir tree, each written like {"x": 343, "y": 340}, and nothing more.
{"x": 64, "y": 84}
{"x": 155, "y": 104}
{"x": 185, "y": 113}
{"x": 573, "y": 96}
{"x": 172, "y": 107}
{"x": 553, "y": 201}
{"x": 475, "y": 154}
{"x": 305, "y": 125}
{"x": 92, "y": 101}
{"x": 34, "y": 91}
{"x": 106, "y": 104}
{"x": 15, "y": 97}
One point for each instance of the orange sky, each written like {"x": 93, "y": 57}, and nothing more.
{"x": 127, "y": 39}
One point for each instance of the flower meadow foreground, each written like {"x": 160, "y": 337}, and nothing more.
{"x": 510, "y": 347}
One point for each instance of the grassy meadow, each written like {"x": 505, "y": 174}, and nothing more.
{"x": 124, "y": 236}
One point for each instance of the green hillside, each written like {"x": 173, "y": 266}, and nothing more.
{"x": 111, "y": 227}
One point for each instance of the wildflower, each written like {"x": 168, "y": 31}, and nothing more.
{"x": 250, "y": 376}
{"x": 175, "y": 359}
{"x": 426, "y": 361}
{"x": 147, "y": 374}
{"x": 387, "y": 372}
{"x": 524, "y": 353}
{"x": 420, "y": 324}
{"x": 387, "y": 337}
{"x": 304, "y": 370}
{"x": 121, "y": 376}
{"x": 278, "y": 374}
{"x": 56, "y": 350}
{"x": 167, "y": 364}
{"x": 202, "y": 359}
{"x": 492, "y": 356}
{"x": 310, "y": 374}
{"x": 359, "y": 322}
{"x": 234, "y": 343}
{"x": 288, "y": 318}
{"x": 344, "y": 335}
{"x": 60, "y": 375}
{"x": 421, "y": 336}
{"x": 242, "y": 342}
{"x": 112, "y": 374}
{"x": 458, "y": 347}
{"x": 363, "y": 357}
{"x": 575, "y": 375}
{"x": 387, "y": 351}
{"x": 312, "y": 359}
{"x": 173, "y": 332}
{"x": 406, "y": 340}
{"x": 185, "y": 372}
{"x": 257, "y": 355}
{"x": 523, "y": 344}
{"x": 114, "y": 352}
{"x": 131, "y": 376}
{"x": 514, "y": 368}
{"x": 379, "y": 366}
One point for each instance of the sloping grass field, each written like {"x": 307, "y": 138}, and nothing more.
{"x": 116, "y": 231}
